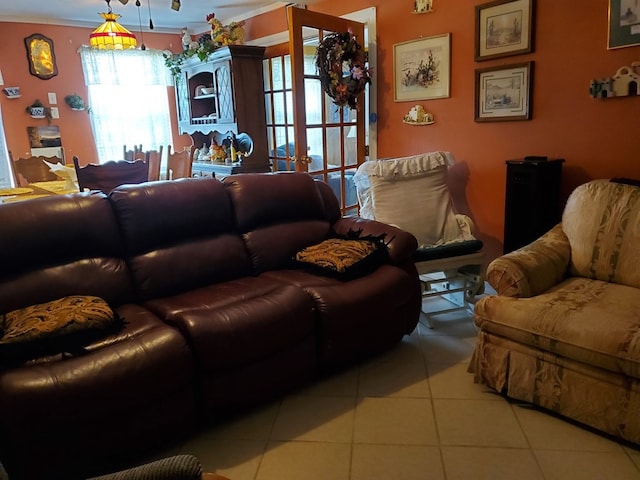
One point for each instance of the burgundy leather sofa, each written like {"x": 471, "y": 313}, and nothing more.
{"x": 215, "y": 317}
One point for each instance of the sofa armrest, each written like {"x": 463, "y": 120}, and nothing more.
{"x": 532, "y": 269}
{"x": 401, "y": 243}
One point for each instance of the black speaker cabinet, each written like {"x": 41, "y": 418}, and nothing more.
{"x": 532, "y": 204}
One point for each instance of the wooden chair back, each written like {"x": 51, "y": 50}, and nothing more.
{"x": 28, "y": 170}
{"x": 179, "y": 164}
{"x": 154, "y": 159}
{"x": 107, "y": 176}
{"x": 133, "y": 155}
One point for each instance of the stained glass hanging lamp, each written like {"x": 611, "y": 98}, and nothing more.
{"x": 111, "y": 35}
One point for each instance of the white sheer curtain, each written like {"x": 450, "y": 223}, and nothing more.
{"x": 128, "y": 99}
{"x": 6, "y": 177}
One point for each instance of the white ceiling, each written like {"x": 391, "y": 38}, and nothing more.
{"x": 85, "y": 13}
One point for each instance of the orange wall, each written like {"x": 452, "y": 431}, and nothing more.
{"x": 598, "y": 138}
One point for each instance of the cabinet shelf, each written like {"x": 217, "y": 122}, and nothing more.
{"x": 234, "y": 75}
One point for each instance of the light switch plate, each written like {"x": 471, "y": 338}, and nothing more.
{"x": 53, "y": 98}
{"x": 54, "y": 112}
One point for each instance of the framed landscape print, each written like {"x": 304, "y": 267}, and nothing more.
{"x": 422, "y": 68}
{"x": 504, "y": 28}
{"x": 504, "y": 93}
{"x": 624, "y": 23}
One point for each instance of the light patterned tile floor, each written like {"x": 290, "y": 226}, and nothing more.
{"x": 413, "y": 413}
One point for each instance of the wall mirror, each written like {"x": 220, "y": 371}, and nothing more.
{"x": 42, "y": 59}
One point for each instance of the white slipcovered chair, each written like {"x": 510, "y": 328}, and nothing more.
{"x": 412, "y": 194}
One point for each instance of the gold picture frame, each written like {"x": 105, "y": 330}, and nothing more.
{"x": 422, "y": 68}
{"x": 504, "y": 93}
{"x": 41, "y": 57}
{"x": 504, "y": 28}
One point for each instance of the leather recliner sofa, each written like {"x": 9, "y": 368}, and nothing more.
{"x": 214, "y": 316}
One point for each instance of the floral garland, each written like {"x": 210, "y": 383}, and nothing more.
{"x": 341, "y": 64}
{"x": 220, "y": 36}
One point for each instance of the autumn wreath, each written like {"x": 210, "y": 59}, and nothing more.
{"x": 341, "y": 64}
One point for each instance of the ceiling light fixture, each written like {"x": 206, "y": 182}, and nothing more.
{"x": 111, "y": 35}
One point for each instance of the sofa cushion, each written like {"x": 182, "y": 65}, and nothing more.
{"x": 67, "y": 323}
{"x": 589, "y": 321}
{"x": 602, "y": 221}
{"x": 343, "y": 258}
{"x": 273, "y": 225}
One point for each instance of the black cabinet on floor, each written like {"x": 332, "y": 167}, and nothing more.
{"x": 532, "y": 204}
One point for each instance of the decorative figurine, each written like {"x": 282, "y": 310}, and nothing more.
{"x": 186, "y": 39}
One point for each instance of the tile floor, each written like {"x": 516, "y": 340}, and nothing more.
{"x": 413, "y": 413}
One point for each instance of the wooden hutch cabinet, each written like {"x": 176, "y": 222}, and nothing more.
{"x": 224, "y": 94}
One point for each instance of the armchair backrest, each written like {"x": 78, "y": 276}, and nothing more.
{"x": 602, "y": 222}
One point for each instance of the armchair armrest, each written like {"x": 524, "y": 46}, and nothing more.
{"x": 401, "y": 243}
{"x": 532, "y": 269}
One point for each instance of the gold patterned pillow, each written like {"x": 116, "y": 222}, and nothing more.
{"x": 54, "y": 327}
{"x": 343, "y": 258}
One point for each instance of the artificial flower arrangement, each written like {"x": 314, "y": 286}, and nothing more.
{"x": 341, "y": 64}
{"x": 219, "y": 36}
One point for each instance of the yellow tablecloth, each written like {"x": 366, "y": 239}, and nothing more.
{"x": 55, "y": 187}
{"x": 35, "y": 190}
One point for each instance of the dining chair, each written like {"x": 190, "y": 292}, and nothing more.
{"x": 109, "y": 175}
{"x": 179, "y": 164}
{"x": 154, "y": 159}
{"x": 133, "y": 155}
{"x": 28, "y": 170}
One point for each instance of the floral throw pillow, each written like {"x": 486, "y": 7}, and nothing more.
{"x": 62, "y": 325}
{"x": 344, "y": 258}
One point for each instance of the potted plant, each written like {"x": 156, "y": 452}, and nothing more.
{"x": 37, "y": 110}
{"x": 75, "y": 102}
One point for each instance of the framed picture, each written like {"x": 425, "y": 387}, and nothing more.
{"x": 422, "y": 68}
{"x": 42, "y": 59}
{"x": 504, "y": 93}
{"x": 504, "y": 28}
{"x": 624, "y": 23}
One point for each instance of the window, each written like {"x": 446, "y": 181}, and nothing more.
{"x": 128, "y": 99}
{"x": 6, "y": 177}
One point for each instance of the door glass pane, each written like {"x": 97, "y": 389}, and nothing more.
{"x": 277, "y": 74}
{"x": 289, "y": 102}
{"x": 350, "y": 193}
{"x": 281, "y": 136}
{"x": 334, "y": 147}
{"x": 270, "y": 141}
{"x": 288, "y": 82}
{"x": 266, "y": 74}
{"x": 313, "y": 100}
{"x": 310, "y": 46}
{"x": 315, "y": 148}
{"x": 268, "y": 109}
{"x": 350, "y": 145}
{"x": 278, "y": 108}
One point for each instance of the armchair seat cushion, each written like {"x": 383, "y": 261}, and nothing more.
{"x": 590, "y": 321}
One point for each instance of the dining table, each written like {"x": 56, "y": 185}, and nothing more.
{"x": 36, "y": 190}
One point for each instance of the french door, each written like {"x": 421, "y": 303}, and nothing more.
{"x": 329, "y": 141}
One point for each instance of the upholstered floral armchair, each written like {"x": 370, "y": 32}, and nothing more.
{"x": 563, "y": 331}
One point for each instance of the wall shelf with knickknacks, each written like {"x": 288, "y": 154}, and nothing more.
{"x": 12, "y": 92}
{"x": 625, "y": 83}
